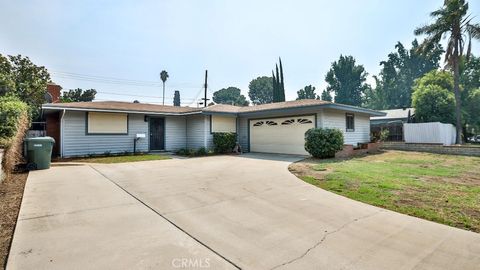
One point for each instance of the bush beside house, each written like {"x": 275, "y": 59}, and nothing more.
{"x": 224, "y": 142}
{"x": 15, "y": 119}
{"x": 323, "y": 143}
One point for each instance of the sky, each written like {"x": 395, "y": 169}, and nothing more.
{"x": 120, "y": 47}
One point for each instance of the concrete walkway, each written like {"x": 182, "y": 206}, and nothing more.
{"x": 221, "y": 212}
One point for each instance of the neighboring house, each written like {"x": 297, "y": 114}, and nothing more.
{"x": 99, "y": 127}
{"x": 393, "y": 121}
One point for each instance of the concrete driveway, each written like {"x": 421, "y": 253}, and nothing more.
{"x": 223, "y": 212}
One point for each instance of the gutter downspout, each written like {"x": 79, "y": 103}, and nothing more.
{"x": 61, "y": 134}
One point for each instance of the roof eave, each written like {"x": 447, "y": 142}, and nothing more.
{"x": 59, "y": 108}
{"x": 220, "y": 113}
{"x": 319, "y": 106}
{"x": 353, "y": 109}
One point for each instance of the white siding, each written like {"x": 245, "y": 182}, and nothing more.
{"x": 77, "y": 143}
{"x": 336, "y": 119}
{"x": 175, "y": 132}
{"x": 198, "y": 132}
{"x": 208, "y": 133}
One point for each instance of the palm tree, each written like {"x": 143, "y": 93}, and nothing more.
{"x": 163, "y": 77}
{"x": 453, "y": 21}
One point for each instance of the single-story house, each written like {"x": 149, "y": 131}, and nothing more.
{"x": 85, "y": 128}
{"x": 392, "y": 121}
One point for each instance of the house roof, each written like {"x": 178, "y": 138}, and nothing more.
{"x": 217, "y": 108}
{"x": 395, "y": 114}
{"x": 120, "y": 106}
{"x": 286, "y": 105}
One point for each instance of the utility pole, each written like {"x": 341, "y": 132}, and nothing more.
{"x": 205, "y": 98}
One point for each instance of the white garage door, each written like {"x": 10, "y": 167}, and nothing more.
{"x": 285, "y": 135}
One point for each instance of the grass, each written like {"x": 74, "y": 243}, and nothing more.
{"x": 440, "y": 188}
{"x": 122, "y": 159}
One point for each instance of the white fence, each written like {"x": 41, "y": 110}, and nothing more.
{"x": 434, "y": 132}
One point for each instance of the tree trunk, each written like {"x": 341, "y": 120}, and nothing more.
{"x": 456, "y": 89}
{"x": 163, "y": 101}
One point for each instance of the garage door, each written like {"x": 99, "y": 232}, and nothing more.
{"x": 285, "y": 135}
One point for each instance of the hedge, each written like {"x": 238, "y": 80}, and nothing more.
{"x": 11, "y": 111}
{"x": 323, "y": 143}
{"x": 15, "y": 121}
{"x": 224, "y": 142}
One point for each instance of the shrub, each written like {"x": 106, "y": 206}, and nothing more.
{"x": 13, "y": 150}
{"x": 224, "y": 142}
{"x": 191, "y": 152}
{"x": 11, "y": 110}
{"x": 323, "y": 143}
{"x": 384, "y": 135}
{"x": 202, "y": 151}
{"x": 182, "y": 152}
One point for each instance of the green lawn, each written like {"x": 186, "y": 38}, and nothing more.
{"x": 441, "y": 188}
{"x": 122, "y": 159}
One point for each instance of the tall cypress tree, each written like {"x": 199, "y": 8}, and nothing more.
{"x": 274, "y": 84}
{"x": 282, "y": 85}
{"x": 278, "y": 84}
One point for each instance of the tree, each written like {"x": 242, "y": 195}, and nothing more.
{"x": 442, "y": 78}
{"x": 395, "y": 81}
{"x": 433, "y": 97}
{"x": 308, "y": 92}
{"x": 453, "y": 21}
{"x": 261, "y": 90}
{"x": 473, "y": 110}
{"x": 326, "y": 96}
{"x": 278, "y": 84}
{"x": 433, "y": 103}
{"x": 470, "y": 82}
{"x": 163, "y": 76}
{"x": 470, "y": 74}
{"x": 347, "y": 81}
{"x": 21, "y": 78}
{"x": 78, "y": 95}
{"x": 230, "y": 95}
{"x": 176, "y": 98}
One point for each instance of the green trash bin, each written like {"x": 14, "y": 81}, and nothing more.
{"x": 39, "y": 152}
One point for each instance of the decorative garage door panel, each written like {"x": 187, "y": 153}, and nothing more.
{"x": 285, "y": 135}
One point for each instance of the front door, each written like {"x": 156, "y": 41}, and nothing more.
{"x": 157, "y": 134}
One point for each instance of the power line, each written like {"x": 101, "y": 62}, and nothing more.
{"x": 112, "y": 80}
{"x": 130, "y": 95}
{"x": 128, "y": 82}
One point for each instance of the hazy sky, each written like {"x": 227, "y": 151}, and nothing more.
{"x": 235, "y": 40}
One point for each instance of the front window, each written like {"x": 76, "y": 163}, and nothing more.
{"x": 350, "y": 122}
{"x": 107, "y": 123}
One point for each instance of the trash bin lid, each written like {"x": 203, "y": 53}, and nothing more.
{"x": 40, "y": 139}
